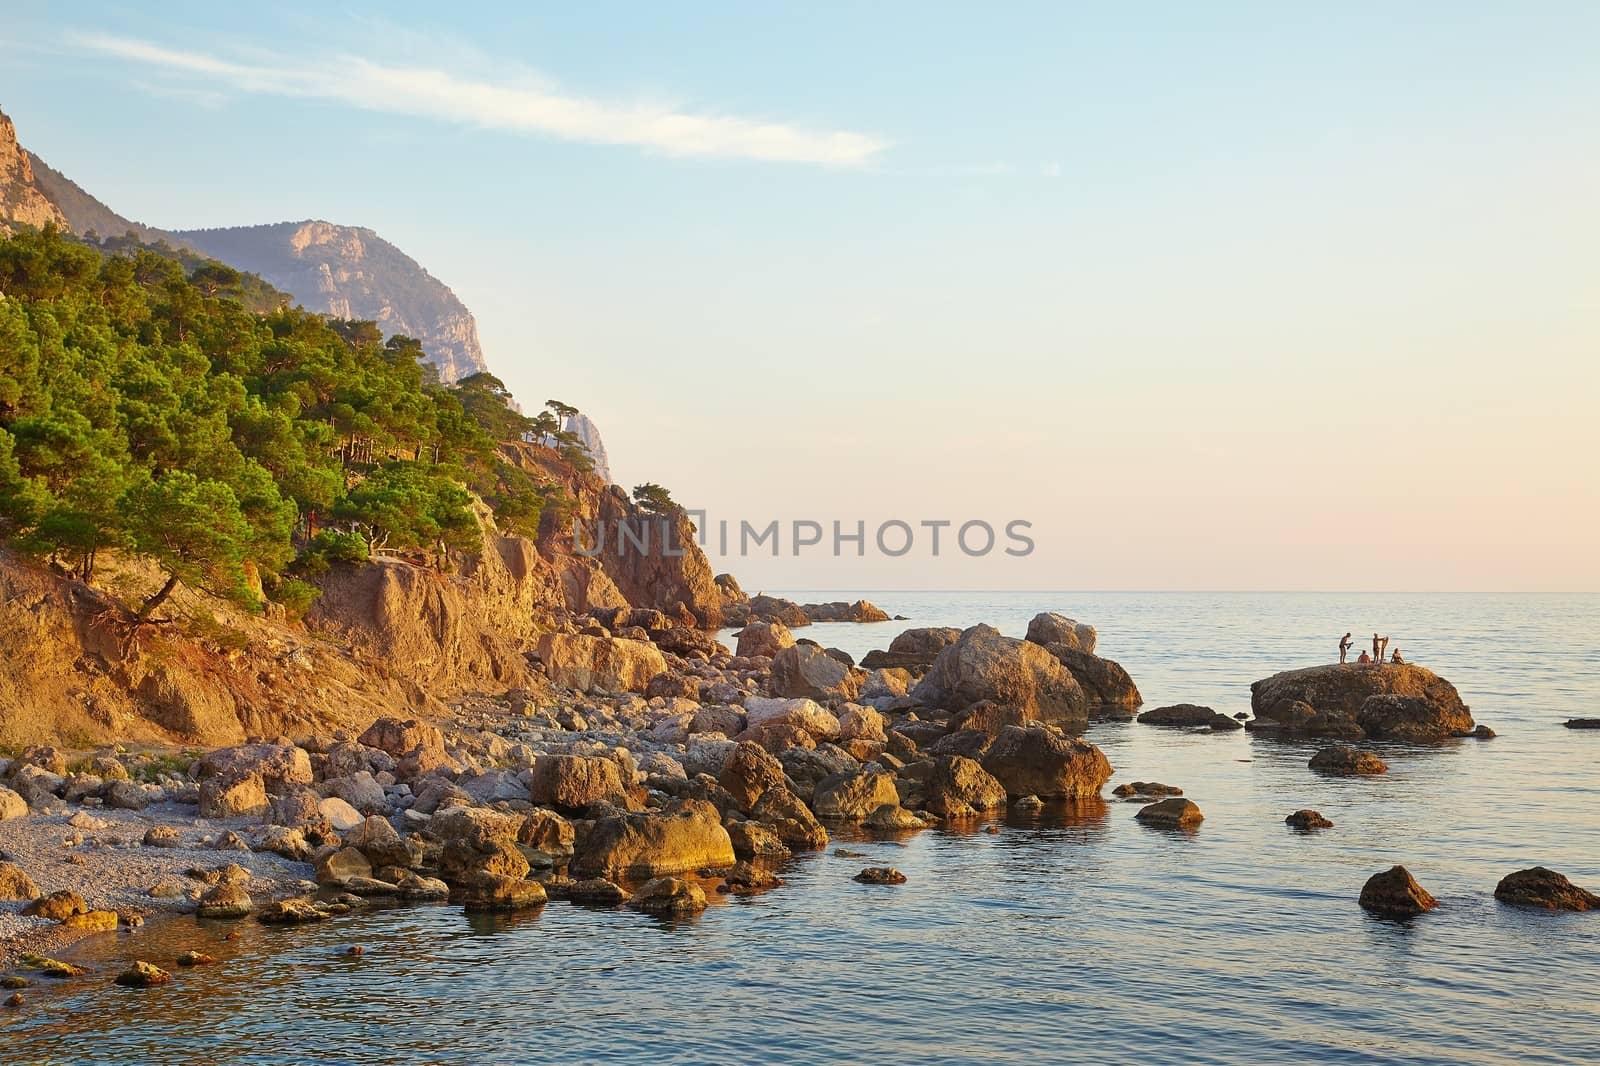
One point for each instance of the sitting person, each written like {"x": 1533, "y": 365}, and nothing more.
{"x": 1395, "y": 658}
{"x": 1365, "y": 658}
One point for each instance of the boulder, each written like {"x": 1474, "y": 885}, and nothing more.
{"x": 686, "y": 835}
{"x": 752, "y": 840}
{"x": 1040, "y": 760}
{"x": 597, "y": 892}
{"x": 986, "y": 665}
{"x": 687, "y": 642}
{"x": 841, "y": 611}
{"x": 1582, "y": 723}
{"x": 57, "y": 906}
{"x": 807, "y": 767}
{"x": 1173, "y": 813}
{"x": 880, "y": 875}
{"x": 853, "y": 796}
{"x": 278, "y": 766}
{"x": 590, "y": 664}
{"x": 485, "y": 891}
{"x": 1395, "y": 894}
{"x": 763, "y": 639}
{"x": 126, "y": 796}
{"x": 11, "y": 805}
{"x": 748, "y": 772}
{"x": 225, "y": 901}
{"x": 15, "y": 882}
{"x": 337, "y": 867}
{"x": 475, "y": 840}
{"x": 669, "y": 895}
{"x": 1146, "y": 788}
{"x": 1343, "y": 760}
{"x": 360, "y": 790}
{"x": 1430, "y": 710}
{"x": 573, "y": 782}
{"x": 143, "y": 975}
{"x": 790, "y": 819}
{"x": 1049, "y": 627}
{"x": 672, "y": 686}
{"x": 775, "y": 609}
{"x": 1307, "y": 819}
{"x": 380, "y": 842}
{"x": 1541, "y": 887}
{"x": 1188, "y": 716}
{"x": 914, "y": 650}
{"x": 234, "y": 797}
{"x": 291, "y": 912}
{"x": 417, "y": 747}
{"x": 857, "y": 722}
{"x": 1104, "y": 682}
{"x": 958, "y": 785}
{"x": 340, "y": 814}
{"x": 805, "y": 670}
{"x": 803, "y": 715}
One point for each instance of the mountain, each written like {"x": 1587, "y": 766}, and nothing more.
{"x": 343, "y": 271}
{"x": 589, "y": 434}
{"x": 22, "y": 201}
{"x": 351, "y": 272}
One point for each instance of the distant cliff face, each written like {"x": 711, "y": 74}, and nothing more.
{"x": 589, "y": 434}
{"x": 350, "y": 272}
{"x": 22, "y": 202}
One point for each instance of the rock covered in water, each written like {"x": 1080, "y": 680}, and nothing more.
{"x": 1395, "y": 894}
{"x": 1582, "y": 723}
{"x": 1146, "y": 788}
{"x": 1396, "y": 701}
{"x": 1542, "y": 887}
{"x": 880, "y": 875}
{"x": 1345, "y": 760}
{"x": 1173, "y": 813}
{"x": 984, "y": 664}
{"x": 1042, "y": 761}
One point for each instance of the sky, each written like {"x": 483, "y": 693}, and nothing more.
{"x": 1227, "y": 296}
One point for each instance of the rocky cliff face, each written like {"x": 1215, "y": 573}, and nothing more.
{"x": 22, "y": 201}
{"x": 351, "y": 272}
{"x": 589, "y": 434}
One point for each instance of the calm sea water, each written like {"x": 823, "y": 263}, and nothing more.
{"x": 1083, "y": 938}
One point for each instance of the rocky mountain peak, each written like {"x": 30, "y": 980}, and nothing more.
{"x": 22, "y": 202}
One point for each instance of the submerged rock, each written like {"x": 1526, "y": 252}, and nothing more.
{"x": 1582, "y": 723}
{"x": 1189, "y": 715}
{"x": 1146, "y": 788}
{"x": 1343, "y": 760}
{"x": 881, "y": 875}
{"x": 669, "y": 895}
{"x": 1542, "y": 887}
{"x": 1395, "y": 894}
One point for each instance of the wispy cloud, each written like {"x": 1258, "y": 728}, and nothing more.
{"x": 520, "y": 105}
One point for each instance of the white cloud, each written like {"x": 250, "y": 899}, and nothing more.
{"x": 523, "y": 107}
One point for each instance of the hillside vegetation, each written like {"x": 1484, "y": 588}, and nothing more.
{"x": 147, "y": 403}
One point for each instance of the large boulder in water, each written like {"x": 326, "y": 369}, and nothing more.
{"x": 914, "y": 650}
{"x": 1395, "y": 894}
{"x": 1104, "y": 682}
{"x": 686, "y": 835}
{"x": 1040, "y": 760}
{"x": 587, "y": 663}
{"x": 986, "y": 665}
{"x": 1048, "y": 627}
{"x": 1542, "y": 887}
{"x": 1391, "y": 701}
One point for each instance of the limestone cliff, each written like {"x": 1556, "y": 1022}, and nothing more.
{"x": 22, "y": 201}
{"x": 589, "y": 434}
{"x": 351, "y": 272}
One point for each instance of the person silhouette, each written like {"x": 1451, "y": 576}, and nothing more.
{"x": 1345, "y": 644}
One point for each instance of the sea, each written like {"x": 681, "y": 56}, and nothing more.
{"x": 1080, "y": 935}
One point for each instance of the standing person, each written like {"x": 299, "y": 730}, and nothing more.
{"x": 1345, "y": 644}
{"x": 1376, "y": 654}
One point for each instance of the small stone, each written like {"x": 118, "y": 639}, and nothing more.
{"x": 1028, "y": 803}
{"x": 52, "y": 967}
{"x": 143, "y": 975}
{"x": 355, "y": 950}
{"x": 11, "y": 981}
{"x": 15, "y": 882}
{"x": 1146, "y": 788}
{"x": 747, "y": 879}
{"x": 1395, "y": 894}
{"x": 1308, "y": 819}
{"x": 881, "y": 875}
{"x": 294, "y": 911}
{"x": 15, "y": 1000}
{"x": 162, "y": 836}
{"x": 1483, "y": 732}
{"x": 1174, "y": 813}
{"x": 1542, "y": 887}
{"x": 196, "y": 958}
{"x": 230, "y": 841}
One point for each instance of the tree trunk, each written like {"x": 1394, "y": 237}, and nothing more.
{"x": 158, "y": 599}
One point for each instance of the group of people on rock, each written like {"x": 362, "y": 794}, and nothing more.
{"x": 1380, "y": 648}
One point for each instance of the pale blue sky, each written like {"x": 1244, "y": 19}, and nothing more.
{"x": 1248, "y": 296}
